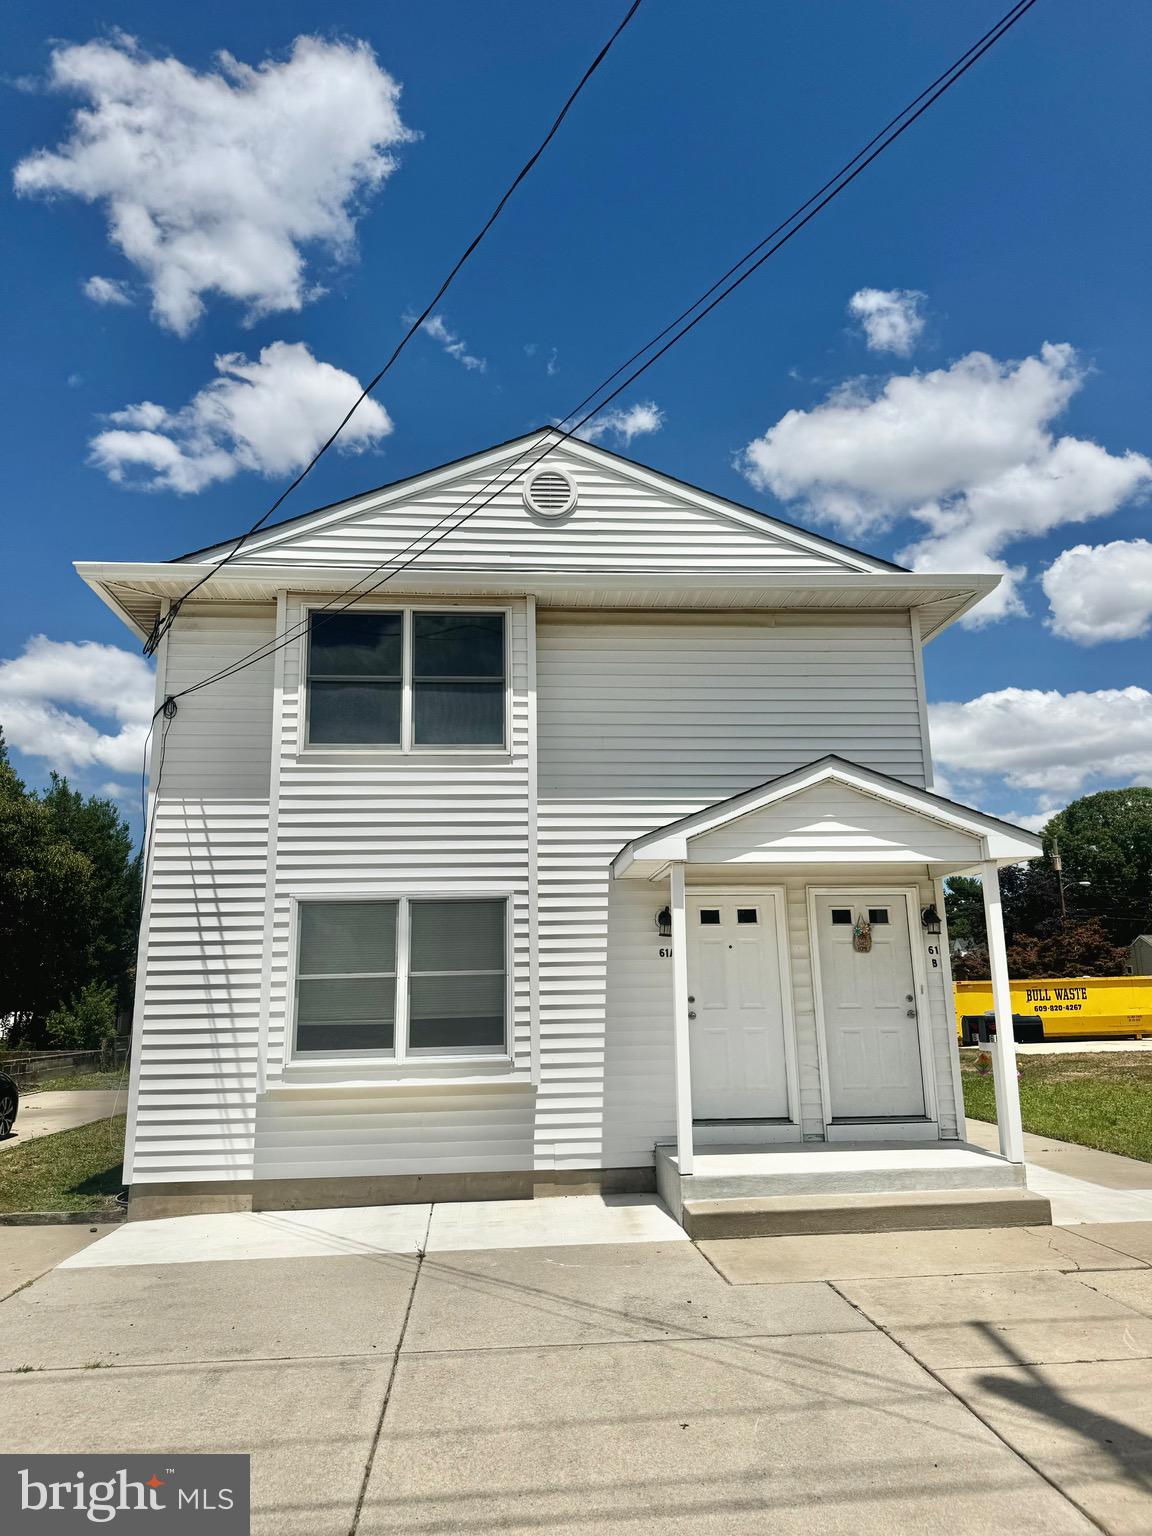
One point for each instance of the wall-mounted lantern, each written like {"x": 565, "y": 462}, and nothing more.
{"x": 664, "y": 923}
{"x": 930, "y": 920}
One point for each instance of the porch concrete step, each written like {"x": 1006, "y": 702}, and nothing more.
{"x": 911, "y": 1210}
{"x": 833, "y": 1168}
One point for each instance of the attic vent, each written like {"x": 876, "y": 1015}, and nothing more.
{"x": 551, "y": 492}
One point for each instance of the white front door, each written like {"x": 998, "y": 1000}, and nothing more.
{"x": 736, "y": 1011}
{"x": 869, "y": 1005}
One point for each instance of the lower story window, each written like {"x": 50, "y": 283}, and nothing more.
{"x": 401, "y": 977}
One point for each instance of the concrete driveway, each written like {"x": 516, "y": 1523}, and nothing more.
{"x": 469, "y": 1368}
{"x": 41, "y": 1114}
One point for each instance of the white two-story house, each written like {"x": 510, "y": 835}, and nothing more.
{"x": 543, "y": 841}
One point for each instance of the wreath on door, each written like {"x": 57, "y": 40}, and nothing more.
{"x": 862, "y": 935}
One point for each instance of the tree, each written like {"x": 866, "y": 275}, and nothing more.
{"x": 69, "y": 906}
{"x": 1082, "y": 948}
{"x": 1030, "y": 899}
{"x": 1106, "y": 839}
{"x": 96, "y": 828}
{"x": 46, "y": 899}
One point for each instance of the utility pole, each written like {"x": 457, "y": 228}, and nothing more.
{"x": 1058, "y": 866}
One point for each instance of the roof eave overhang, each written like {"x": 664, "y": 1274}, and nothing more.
{"x": 135, "y": 590}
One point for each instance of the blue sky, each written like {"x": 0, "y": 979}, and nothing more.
{"x": 1016, "y": 210}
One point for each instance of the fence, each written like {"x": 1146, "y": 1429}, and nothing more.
{"x": 39, "y": 1066}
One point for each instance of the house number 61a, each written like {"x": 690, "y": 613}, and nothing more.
{"x": 666, "y": 954}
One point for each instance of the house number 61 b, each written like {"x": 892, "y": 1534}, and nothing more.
{"x": 934, "y": 956}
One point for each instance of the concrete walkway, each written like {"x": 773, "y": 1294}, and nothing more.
{"x": 42, "y": 1114}
{"x": 1083, "y": 1185}
{"x": 439, "y": 1369}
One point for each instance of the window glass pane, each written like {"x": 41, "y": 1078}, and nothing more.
{"x": 456, "y": 1012}
{"x": 343, "y": 936}
{"x": 710, "y": 915}
{"x": 458, "y": 645}
{"x": 747, "y": 915}
{"x": 348, "y": 714}
{"x": 841, "y": 914}
{"x": 457, "y": 935}
{"x": 346, "y": 1015}
{"x": 459, "y": 714}
{"x": 355, "y": 644}
{"x": 877, "y": 915}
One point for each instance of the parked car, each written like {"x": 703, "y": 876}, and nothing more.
{"x": 9, "y": 1104}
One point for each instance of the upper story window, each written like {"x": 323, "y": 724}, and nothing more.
{"x": 408, "y": 678}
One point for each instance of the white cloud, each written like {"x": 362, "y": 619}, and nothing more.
{"x": 107, "y": 290}
{"x": 221, "y": 182}
{"x": 1043, "y": 740}
{"x": 436, "y": 327}
{"x": 965, "y": 451}
{"x": 624, "y": 424}
{"x": 1101, "y": 591}
{"x": 103, "y": 680}
{"x": 269, "y": 416}
{"x": 890, "y": 318}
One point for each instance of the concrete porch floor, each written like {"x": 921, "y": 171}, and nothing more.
{"x": 810, "y": 1187}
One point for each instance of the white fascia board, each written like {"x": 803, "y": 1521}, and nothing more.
{"x": 304, "y": 578}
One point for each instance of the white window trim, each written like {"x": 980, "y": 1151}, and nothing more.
{"x": 406, "y": 747}
{"x": 375, "y": 1063}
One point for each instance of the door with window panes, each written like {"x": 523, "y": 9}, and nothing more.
{"x": 736, "y": 1010}
{"x": 870, "y": 1008}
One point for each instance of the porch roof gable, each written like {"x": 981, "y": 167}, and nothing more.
{"x": 957, "y": 835}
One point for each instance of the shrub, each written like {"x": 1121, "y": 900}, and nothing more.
{"x": 87, "y": 1022}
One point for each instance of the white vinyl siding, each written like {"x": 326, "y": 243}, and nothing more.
{"x": 198, "y": 1009}
{"x": 431, "y": 824}
{"x": 618, "y": 524}
{"x": 643, "y": 721}
{"x": 834, "y": 819}
{"x": 712, "y": 705}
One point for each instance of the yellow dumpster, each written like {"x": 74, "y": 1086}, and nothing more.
{"x": 1068, "y": 1008}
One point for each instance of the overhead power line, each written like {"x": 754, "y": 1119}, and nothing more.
{"x": 160, "y": 629}
{"x": 675, "y": 331}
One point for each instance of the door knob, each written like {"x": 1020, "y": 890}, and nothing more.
{"x": 691, "y": 1015}
{"x": 911, "y": 1013}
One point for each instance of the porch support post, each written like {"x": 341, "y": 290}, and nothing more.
{"x": 1005, "y": 1080}
{"x": 680, "y": 1024}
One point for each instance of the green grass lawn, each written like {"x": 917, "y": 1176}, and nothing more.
{"x": 116, "y": 1079}
{"x": 78, "y": 1170}
{"x": 1102, "y": 1101}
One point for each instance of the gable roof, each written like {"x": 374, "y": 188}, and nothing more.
{"x": 411, "y": 485}
{"x": 636, "y": 538}
{"x": 669, "y": 844}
